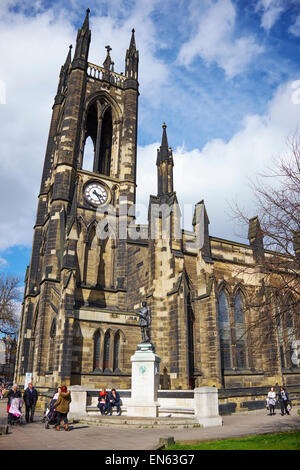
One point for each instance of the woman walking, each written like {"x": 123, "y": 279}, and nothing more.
{"x": 62, "y": 406}
{"x": 272, "y": 401}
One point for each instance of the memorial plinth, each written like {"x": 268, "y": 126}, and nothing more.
{"x": 207, "y": 406}
{"x": 144, "y": 382}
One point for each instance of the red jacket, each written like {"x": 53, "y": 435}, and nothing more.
{"x": 103, "y": 398}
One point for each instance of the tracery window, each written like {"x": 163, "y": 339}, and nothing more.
{"x": 52, "y": 346}
{"x": 106, "y": 350}
{"x": 116, "y": 351}
{"x": 224, "y": 330}
{"x": 240, "y": 331}
{"x": 232, "y": 332}
{"x": 97, "y": 344}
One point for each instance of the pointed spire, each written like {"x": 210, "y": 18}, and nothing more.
{"x": 82, "y": 44}
{"x": 107, "y": 64}
{"x": 85, "y": 25}
{"x": 69, "y": 57}
{"x": 164, "y": 140}
{"x": 164, "y": 153}
{"x": 63, "y": 77}
{"x": 165, "y": 165}
{"x": 132, "y": 46}
{"x": 132, "y": 59}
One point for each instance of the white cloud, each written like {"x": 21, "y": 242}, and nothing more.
{"x": 295, "y": 27}
{"x": 271, "y": 11}
{"x": 216, "y": 40}
{"x": 153, "y": 73}
{"x": 219, "y": 172}
{"x": 3, "y": 262}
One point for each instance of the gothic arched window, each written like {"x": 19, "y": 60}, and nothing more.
{"x": 240, "y": 331}
{"x": 88, "y": 156}
{"x": 105, "y": 144}
{"x": 116, "y": 351}
{"x": 106, "y": 351}
{"x": 52, "y": 346}
{"x": 224, "y": 330}
{"x": 90, "y": 138}
{"x": 97, "y": 344}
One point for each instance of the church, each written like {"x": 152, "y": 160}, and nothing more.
{"x": 92, "y": 265}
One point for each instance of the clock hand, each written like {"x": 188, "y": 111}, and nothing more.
{"x": 98, "y": 195}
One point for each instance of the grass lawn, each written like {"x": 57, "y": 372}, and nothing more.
{"x": 280, "y": 441}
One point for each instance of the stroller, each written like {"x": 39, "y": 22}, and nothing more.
{"x": 15, "y": 412}
{"x": 50, "y": 417}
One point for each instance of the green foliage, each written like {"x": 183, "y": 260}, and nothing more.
{"x": 280, "y": 441}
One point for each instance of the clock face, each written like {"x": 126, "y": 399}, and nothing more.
{"x": 95, "y": 193}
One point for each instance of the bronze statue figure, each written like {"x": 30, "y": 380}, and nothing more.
{"x": 145, "y": 322}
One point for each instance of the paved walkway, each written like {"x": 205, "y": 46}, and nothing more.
{"x": 34, "y": 436}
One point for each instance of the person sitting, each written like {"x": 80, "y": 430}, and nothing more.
{"x": 103, "y": 403}
{"x": 114, "y": 400}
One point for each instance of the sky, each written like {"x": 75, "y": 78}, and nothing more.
{"x": 223, "y": 74}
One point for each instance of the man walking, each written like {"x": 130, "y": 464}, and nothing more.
{"x": 283, "y": 399}
{"x": 30, "y": 397}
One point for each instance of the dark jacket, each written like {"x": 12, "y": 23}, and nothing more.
{"x": 280, "y": 397}
{"x": 62, "y": 404}
{"x": 115, "y": 400}
{"x": 30, "y": 397}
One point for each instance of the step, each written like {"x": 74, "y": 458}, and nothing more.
{"x": 129, "y": 421}
{"x": 172, "y": 411}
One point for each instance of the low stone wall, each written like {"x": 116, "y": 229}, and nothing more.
{"x": 251, "y": 399}
{"x": 180, "y": 403}
{"x": 200, "y": 404}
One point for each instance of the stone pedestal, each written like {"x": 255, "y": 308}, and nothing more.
{"x": 144, "y": 382}
{"x": 207, "y": 406}
{"x": 78, "y": 402}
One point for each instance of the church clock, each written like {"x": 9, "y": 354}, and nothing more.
{"x": 95, "y": 193}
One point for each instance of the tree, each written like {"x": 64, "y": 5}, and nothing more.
{"x": 9, "y": 296}
{"x": 274, "y": 235}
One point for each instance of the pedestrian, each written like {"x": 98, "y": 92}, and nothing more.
{"x": 30, "y": 397}
{"x": 283, "y": 398}
{"x": 14, "y": 392}
{"x": 114, "y": 400}
{"x": 62, "y": 406}
{"x": 271, "y": 400}
{"x": 3, "y": 391}
{"x": 103, "y": 403}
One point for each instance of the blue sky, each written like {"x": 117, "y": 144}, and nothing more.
{"x": 220, "y": 73}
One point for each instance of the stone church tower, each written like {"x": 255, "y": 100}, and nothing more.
{"x": 70, "y": 266}
{"x": 92, "y": 265}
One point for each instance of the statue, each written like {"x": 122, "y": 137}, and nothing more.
{"x": 145, "y": 322}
